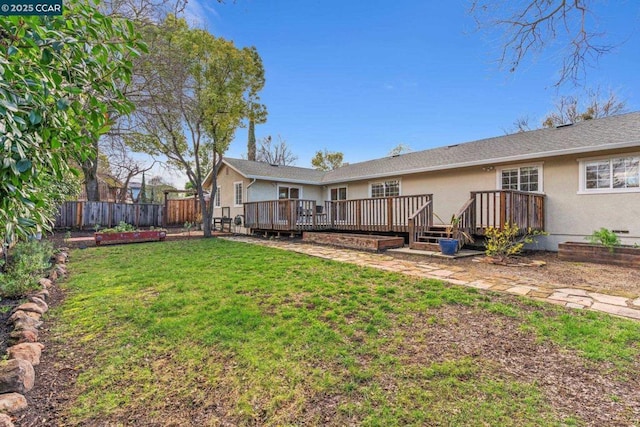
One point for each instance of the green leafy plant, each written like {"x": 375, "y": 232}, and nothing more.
{"x": 122, "y": 227}
{"x": 604, "y": 237}
{"x": 67, "y": 237}
{"x": 96, "y": 227}
{"x": 508, "y": 242}
{"x": 28, "y": 260}
{"x": 187, "y": 227}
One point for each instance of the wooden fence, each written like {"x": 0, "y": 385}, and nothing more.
{"x": 85, "y": 215}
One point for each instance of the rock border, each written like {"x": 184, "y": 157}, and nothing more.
{"x": 17, "y": 376}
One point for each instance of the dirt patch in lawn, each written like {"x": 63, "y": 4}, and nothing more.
{"x": 607, "y": 279}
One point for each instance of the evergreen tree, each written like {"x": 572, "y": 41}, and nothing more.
{"x": 143, "y": 191}
{"x": 251, "y": 143}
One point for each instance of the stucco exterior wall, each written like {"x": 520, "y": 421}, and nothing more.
{"x": 227, "y": 177}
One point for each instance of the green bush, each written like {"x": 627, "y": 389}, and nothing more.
{"x": 508, "y": 242}
{"x": 27, "y": 263}
{"x": 604, "y": 237}
{"x": 120, "y": 228}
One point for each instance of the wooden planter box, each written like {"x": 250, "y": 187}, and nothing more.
{"x": 626, "y": 256}
{"x": 354, "y": 241}
{"x": 130, "y": 236}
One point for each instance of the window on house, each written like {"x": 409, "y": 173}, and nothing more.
{"x": 237, "y": 196}
{"x": 339, "y": 193}
{"x": 611, "y": 175}
{"x": 526, "y": 178}
{"x": 288, "y": 193}
{"x": 216, "y": 200}
{"x": 385, "y": 189}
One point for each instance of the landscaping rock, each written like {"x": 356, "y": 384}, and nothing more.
{"x": 25, "y": 335}
{"x": 33, "y": 307}
{"x": 16, "y": 376}
{"x": 12, "y": 403}
{"x": 20, "y": 314}
{"x": 61, "y": 269}
{"x": 30, "y": 352}
{"x": 42, "y": 294}
{"x": 60, "y": 258}
{"x": 40, "y": 302}
{"x": 5, "y": 421}
{"x": 26, "y": 323}
{"x": 53, "y": 275}
{"x": 46, "y": 283}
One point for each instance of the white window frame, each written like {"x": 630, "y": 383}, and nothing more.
{"x": 289, "y": 187}
{"x": 337, "y": 187}
{"x": 216, "y": 199}
{"x": 384, "y": 183}
{"x": 539, "y": 166}
{"x": 235, "y": 193}
{"x": 582, "y": 175}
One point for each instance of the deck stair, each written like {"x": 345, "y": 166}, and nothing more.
{"x": 428, "y": 240}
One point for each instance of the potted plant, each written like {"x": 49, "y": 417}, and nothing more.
{"x": 450, "y": 244}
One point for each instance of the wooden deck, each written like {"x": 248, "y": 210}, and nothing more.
{"x": 385, "y": 214}
{"x": 412, "y": 215}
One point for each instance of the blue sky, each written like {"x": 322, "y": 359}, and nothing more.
{"x": 362, "y": 77}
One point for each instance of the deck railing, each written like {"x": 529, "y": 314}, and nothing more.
{"x": 496, "y": 208}
{"x": 283, "y": 215}
{"x": 420, "y": 221}
{"x": 382, "y": 214}
{"x": 385, "y": 214}
{"x": 465, "y": 220}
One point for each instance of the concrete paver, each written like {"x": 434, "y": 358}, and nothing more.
{"x": 553, "y": 293}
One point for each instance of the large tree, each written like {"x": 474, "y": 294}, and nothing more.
{"x": 529, "y": 27}
{"x": 196, "y": 90}
{"x": 55, "y": 72}
{"x": 592, "y": 105}
{"x": 325, "y": 160}
{"x": 275, "y": 154}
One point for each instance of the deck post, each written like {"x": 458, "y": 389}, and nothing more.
{"x": 503, "y": 209}
{"x": 358, "y": 214}
{"x": 389, "y": 214}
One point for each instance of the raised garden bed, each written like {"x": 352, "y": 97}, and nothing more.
{"x": 354, "y": 241}
{"x": 130, "y": 236}
{"x": 626, "y": 256}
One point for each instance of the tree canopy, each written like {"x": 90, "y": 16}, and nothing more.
{"x": 54, "y": 71}
{"x": 195, "y": 91}
{"x": 325, "y": 160}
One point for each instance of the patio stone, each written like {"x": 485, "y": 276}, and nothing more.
{"x": 573, "y": 291}
{"x": 636, "y": 302}
{"x": 608, "y": 299}
{"x": 617, "y": 310}
{"x": 520, "y": 290}
{"x": 575, "y": 305}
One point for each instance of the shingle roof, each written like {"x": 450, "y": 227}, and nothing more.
{"x": 261, "y": 170}
{"x": 583, "y": 137}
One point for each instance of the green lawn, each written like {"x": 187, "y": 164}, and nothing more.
{"x": 209, "y": 331}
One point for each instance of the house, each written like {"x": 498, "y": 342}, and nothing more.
{"x": 108, "y": 188}
{"x": 569, "y": 181}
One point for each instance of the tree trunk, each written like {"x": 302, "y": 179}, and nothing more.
{"x": 251, "y": 143}
{"x": 90, "y": 170}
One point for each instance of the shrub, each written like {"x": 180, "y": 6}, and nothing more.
{"x": 508, "y": 242}
{"x": 120, "y": 228}
{"x": 28, "y": 261}
{"x": 604, "y": 237}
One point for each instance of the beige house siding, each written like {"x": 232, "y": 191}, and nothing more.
{"x": 227, "y": 177}
{"x": 573, "y": 216}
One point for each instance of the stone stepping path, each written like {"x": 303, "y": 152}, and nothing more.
{"x": 552, "y": 293}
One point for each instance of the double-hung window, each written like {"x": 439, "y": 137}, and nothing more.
{"x": 237, "y": 193}
{"x": 388, "y": 188}
{"x": 524, "y": 178}
{"x": 610, "y": 175}
{"x": 216, "y": 200}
